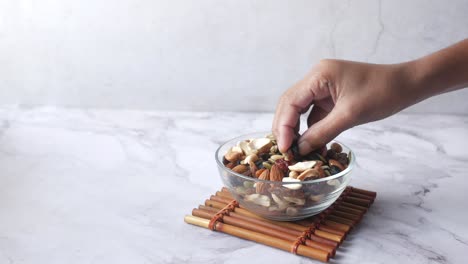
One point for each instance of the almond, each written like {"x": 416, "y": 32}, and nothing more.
{"x": 247, "y": 148}
{"x": 309, "y": 174}
{"x": 293, "y": 174}
{"x": 233, "y": 156}
{"x": 251, "y": 158}
{"x": 319, "y": 163}
{"x": 236, "y": 149}
{"x": 302, "y": 166}
{"x": 333, "y": 162}
{"x": 318, "y": 167}
{"x": 265, "y": 175}
{"x": 334, "y": 182}
{"x": 276, "y": 174}
{"x": 281, "y": 204}
{"x": 259, "y": 172}
{"x": 316, "y": 198}
{"x": 292, "y": 186}
{"x": 240, "y": 169}
{"x": 292, "y": 211}
{"x": 262, "y": 187}
{"x": 262, "y": 145}
{"x": 253, "y": 168}
{"x": 262, "y": 200}
{"x": 294, "y": 200}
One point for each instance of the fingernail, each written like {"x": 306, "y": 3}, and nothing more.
{"x": 304, "y": 147}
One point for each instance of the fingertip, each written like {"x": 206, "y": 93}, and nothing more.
{"x": 282, "y": 145}
{"x": 282, "y": 148}
{"x": 304, "y": 147}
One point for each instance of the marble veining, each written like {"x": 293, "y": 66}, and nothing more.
{"x": 113, "y": 186}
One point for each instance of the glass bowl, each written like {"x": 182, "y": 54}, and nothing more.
{"x": 284, "y": 201}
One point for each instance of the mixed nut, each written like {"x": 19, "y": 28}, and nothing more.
{"x": 260, "y": 158}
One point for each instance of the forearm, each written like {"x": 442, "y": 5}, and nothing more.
{"x": 345, "y": 94}
{"x": 443, "y": 71}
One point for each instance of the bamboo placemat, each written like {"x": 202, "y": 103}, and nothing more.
{"x": 317, "y": 237}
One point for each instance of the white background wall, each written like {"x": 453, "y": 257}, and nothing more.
{"x": 206, "y": 55}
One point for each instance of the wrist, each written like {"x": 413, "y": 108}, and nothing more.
{"x": 417, "y": 80}
{"x": 440, "y": 72}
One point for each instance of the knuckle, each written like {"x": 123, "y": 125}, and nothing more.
{"x": 327, "y": 64}
{"x": 287, "y": 97}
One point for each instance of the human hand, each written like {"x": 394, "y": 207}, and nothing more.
{"x": 342, "y": 94}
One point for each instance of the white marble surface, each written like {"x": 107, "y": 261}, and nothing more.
{"x": 159, "y": 54}
{"x": 89, "y": 186}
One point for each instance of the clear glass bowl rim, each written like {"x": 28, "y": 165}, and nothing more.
{"x": 351, "y": 164}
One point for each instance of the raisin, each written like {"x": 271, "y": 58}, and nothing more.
{"x": 295, "y": 150}
{"x": 331, "y": 154}
{"x": 259, "y": 164}
{"x": 282, "y": 165}
{"x": 342, "y": 158}
{"x": 313, "y": 156}
{"x": 265, "y": 156}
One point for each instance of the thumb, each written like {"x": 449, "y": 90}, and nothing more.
{"x": 322, "y": 132}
